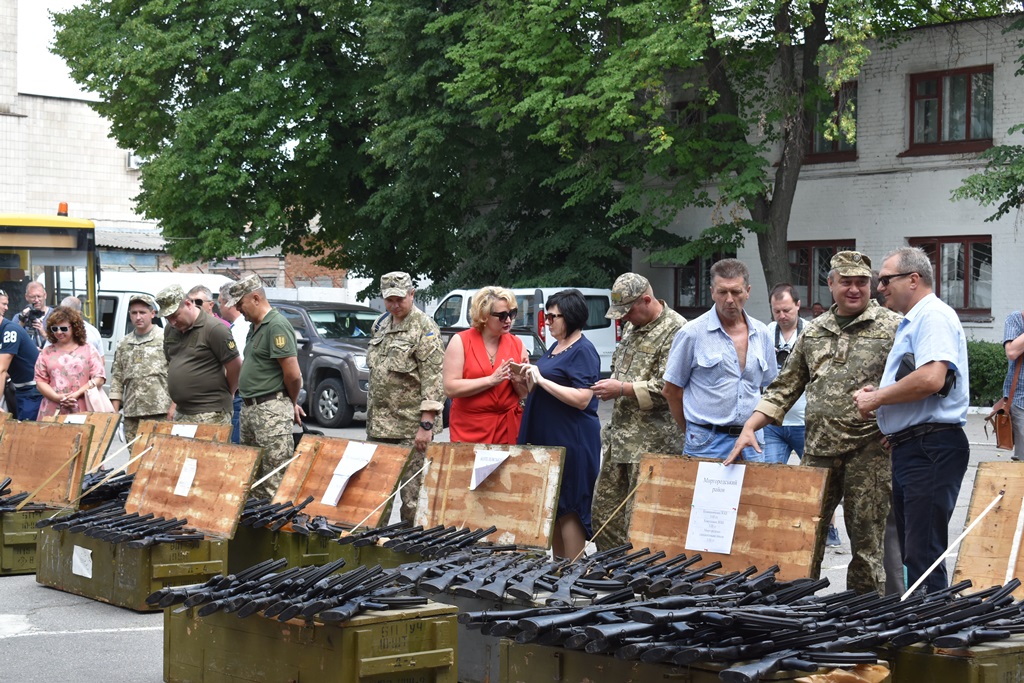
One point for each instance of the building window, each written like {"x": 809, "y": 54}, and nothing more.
{"x": 963, "y": 271}
{"x": 843, "y": 146}
{"x": 693, "y": 284}
{"x": 951, "y": 111}
{"x": 809, "y": 265}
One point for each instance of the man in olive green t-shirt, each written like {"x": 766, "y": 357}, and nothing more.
{"x": 270, "y": 381}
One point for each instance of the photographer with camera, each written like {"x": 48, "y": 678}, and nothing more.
{"x": 33, "y": 318}
{"x": 18, "y": 362}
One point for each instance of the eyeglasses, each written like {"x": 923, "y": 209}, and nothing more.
{"x": 59, "y": 328}
{"x": 199, "y": 302}
{"x": 885, "y": 279}
{"x": 505, "y": 315}
{"x": 551, "y": 316}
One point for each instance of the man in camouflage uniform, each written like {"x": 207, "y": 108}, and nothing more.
{"x": 269, "y": 383}
{"x": 406, "y": 388}
{"x": 641, "y": 420}
{"x": 202, "y": 361}
{"x": 839, "y": 352}
{"x": 138, "y": 384}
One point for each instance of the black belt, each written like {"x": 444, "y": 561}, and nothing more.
{"x": 731, "y": 430}
{"x": 917, "y": 431}
{"x": 256, "y": 400}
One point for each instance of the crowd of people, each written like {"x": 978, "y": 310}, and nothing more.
{"x": 876, "y": 394}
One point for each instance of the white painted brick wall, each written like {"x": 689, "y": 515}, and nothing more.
{"x": 883, "y": 200}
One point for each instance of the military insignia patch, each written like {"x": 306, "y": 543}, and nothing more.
{"x": 279, "y": 341}
{"x": 231, "y": 344}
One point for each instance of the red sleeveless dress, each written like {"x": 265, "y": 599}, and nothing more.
{"x": 492, "y": 416}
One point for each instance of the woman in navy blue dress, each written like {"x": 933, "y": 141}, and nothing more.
{"x": 561, "y": 410}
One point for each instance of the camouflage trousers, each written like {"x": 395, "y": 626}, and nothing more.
{"x": 614, "y": 482}
{"x": 268, "y": 426}
{"x": 410, "y": 492}
{"x": 131, "y": 424}
{"x": 203, "y": 418}
{"x": 862, "y": 479}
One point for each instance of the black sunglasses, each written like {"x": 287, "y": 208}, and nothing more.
{"x": 551, "y": 316}
{"x": 505, "y": 315}
{"x": 199, "y": 302}
{"x": 59, "y": 328}
{"x": 885, "y": 279}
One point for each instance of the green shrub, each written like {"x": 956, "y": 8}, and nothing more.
{"x": 987, "y": 367}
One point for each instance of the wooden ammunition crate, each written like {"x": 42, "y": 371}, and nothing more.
{"x": 122, "y": 576}
{"x": 18, "y": 534}
{"x": 534, "y": 663}
{"x": 999, "y": 662}
{"x": 415, "y": 645}
{"x": 251, "y": 546}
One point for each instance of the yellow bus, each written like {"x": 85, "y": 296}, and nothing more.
{"x": 57, "y": 251}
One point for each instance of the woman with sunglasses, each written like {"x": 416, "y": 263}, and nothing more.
{"x": 486, "y": 405}
{"x": 562, "y": 411}
{"x": 68, "y": 366}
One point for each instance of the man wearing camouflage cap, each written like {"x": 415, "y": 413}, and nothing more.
{"x": 269, "y": 383}
{"x": 641, "y": 420}
{"x": 406, "y": 388}
{"x": 202, "y": 361}
{"x": 138, "y": 375}
{"x": 839, "y": 352}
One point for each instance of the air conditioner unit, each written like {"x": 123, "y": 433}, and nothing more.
{"x": 134, "y": 160}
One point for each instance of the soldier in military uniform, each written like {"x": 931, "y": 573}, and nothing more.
{"x": 839, "y": 352}
{"x": 641, "y": 420}
{"x": 138, "y": 384}
{"x": 269, "y": 383}
{"x": 406, "y": 388}
{"x": 202, "y": 361}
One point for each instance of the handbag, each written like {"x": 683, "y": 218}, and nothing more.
{"x": 999, "y": 418}
{"x": 96, "y": 401}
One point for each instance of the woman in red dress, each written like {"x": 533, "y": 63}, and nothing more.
{"x": 486, "y": 405}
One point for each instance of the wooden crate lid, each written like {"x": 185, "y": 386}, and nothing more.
{"x": 777, "y": 519}
{"x": 32, "y": 451}
{"x": 218, "y": 492}
{"x": 520, "y": 497}
{"x": 985, "y": 553}
{"x": 104, "y": 428}
{"x": 310, "y": 474}
{"x": 147, "y": 428}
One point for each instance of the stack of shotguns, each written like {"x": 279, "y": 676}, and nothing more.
{"x": 299, "y": 592}
{"x": 110, "y": 522}
{"x": 261, "y": 513}
{"x": 9, "y": 501}
{"x": 434, "y": 542}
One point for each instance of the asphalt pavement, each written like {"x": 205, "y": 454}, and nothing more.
{"x": 47, "y": 635}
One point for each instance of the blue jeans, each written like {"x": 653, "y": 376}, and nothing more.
{"x": 926, "y": 477}
{"x": 236, "y": 420}
{"x": 702, "y": 442}
{"x": 28, "y": 400}
{"x": 779, "y": 441}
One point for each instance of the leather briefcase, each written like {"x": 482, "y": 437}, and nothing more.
{"x": 999, "y": 418}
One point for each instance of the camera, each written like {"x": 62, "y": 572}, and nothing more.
{"x": 780, "y": 356}
{"x": 30, "y": 315}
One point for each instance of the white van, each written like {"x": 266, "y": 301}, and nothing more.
{"x": 115, "y": 291}
{"x": 453, "y": 311}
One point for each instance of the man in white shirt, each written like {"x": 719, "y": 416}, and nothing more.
{"x": 239, "y": 331}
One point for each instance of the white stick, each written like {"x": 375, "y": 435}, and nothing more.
{"x": 119, "y": 452}
{"x": 385, "y": 501}
{"x": 1011, "y": 566}
{"x": 274, "y": 471}
{"x": 953, "y": 545}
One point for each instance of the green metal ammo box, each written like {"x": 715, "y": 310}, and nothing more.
{"x": 999, "y": 662}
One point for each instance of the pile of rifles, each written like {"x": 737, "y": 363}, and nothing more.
{"x": 109, "y": 522}
{"x": 637, "y": 605}
{"x": 10, "y": 501}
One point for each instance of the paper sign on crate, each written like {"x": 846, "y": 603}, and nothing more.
{"x": 220, "y": 433}
{"x": 716, "y": 497}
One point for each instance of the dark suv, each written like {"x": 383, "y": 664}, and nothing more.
{"x": 332, "y": 340}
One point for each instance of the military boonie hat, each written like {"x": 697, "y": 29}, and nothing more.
{"x": 395, "y": 283}
{"x": 144, "y": 298}
{"x": 168, "y": 299}
{"x": 851, "y": 264}
{"x": 627, "y": 289}
{"x": 236, "y": 290}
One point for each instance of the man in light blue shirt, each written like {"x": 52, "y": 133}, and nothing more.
{"x": 921, "y": 406}
{"x": 717, "y": 367}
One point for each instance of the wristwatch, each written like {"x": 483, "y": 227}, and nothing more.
{"x": 429, "y": 426}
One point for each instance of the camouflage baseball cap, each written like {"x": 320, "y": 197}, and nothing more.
{"x": 236, "y": 290}
{"x": 851, "y": 264}
{"x": 395, "y": 283}
{"x": 627, "y": 289}
{"x": 168, "y": 299}
{"x": 144, "y": 298}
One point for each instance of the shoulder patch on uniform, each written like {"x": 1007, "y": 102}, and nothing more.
{"x": 231, "y": 344}
{"x": 279, "y": 341}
